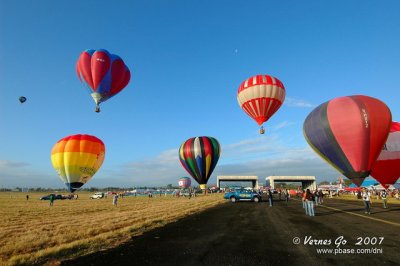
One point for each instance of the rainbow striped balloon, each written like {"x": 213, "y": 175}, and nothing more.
{"x": 199, "y": 156}
{"x": 77, "y": 158}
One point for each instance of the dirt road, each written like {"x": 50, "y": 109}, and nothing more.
{"x": 255, "y": 234}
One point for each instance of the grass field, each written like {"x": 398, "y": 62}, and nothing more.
{"x": 32, "y": 232}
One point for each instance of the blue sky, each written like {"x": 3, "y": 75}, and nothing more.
{"x": 187, "y": 59}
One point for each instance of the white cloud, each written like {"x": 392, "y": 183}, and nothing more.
{"x": 261, "y": 156}
{"x": 283, "y": 124}
{"x": 292, "y": 102}
{"x": 22, "y": 174}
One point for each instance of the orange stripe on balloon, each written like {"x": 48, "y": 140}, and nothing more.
{"x": 78, "y": 146}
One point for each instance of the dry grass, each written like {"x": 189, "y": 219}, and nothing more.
{"x": 32, "y": 232}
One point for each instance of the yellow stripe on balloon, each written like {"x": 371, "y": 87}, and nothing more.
{"x": 208, "y": 164}
{"x": 181, "y": 152}
{"x": 75, "y": 158}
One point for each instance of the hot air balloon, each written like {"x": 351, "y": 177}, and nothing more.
{"x": 22, "y": 99}
{"x": 77, "y": 158}
{"x": 260, "y": 97}
{"x": 184, "y": 182}
{"x": 349, "y": 132}
{"x": 199, "y": 156}
{"x": 104, "y": 74}
{"x": 386, "y": 169}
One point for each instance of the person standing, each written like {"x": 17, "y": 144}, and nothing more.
{"x": 51, "y": 199}
{"x": 115, "y": 200}
{"x": 270, "y": 199}
{"x": 320, "y": 197}
{"x": 27, "y": 197}
{"x": 303, "y": 199}
{"x": 384, "y": 195}
{"x": 316, "y": 197}
{"x": 286, "y": 195}
{"x": 309, "y": 198}
{"x": 366, "y": 195}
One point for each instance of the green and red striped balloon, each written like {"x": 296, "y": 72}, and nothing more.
{"x": 199, "y": 156}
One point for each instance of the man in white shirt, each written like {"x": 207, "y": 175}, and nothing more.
{"x": 366, "y": 196}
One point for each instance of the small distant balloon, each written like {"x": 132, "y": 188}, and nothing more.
{"x": 22, "y": 99}
{"x": 184, "y": 182}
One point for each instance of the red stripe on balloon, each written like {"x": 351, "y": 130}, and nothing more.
{"x": 260, "y": 79}
{"x": 187, "y": 149}
{"x": 81, "y": 137}
{"x": 100, "y": 65}
{"x": 83, "y": 67}
{"x": 120, "y": 76}
{"x": 347, "y": 125}
{"x": 395, "y": 127}
{"x": 207, "y": 146}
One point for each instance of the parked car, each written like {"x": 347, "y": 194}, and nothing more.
{"x": 242, "y": 195}
{"x": 97, "y": 195}
{"x": 56, "y": 196}
{"x": 70, "y": 196}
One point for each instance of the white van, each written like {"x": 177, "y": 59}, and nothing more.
{"x": 97, "y": 195}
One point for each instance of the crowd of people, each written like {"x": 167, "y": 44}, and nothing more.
{"x": 312, "y": 199}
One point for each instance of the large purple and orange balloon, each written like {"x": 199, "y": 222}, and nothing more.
{"x": 348, "y": 133}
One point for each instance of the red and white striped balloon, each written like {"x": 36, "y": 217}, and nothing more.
{"x": 261, "y": 96}
{"x": 386, "y": 168}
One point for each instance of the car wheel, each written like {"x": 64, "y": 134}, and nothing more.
{"x": 256, "y": 199}
{"x": 233, "y": 199}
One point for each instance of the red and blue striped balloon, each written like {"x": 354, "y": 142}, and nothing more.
{"x": 104, "y": 74}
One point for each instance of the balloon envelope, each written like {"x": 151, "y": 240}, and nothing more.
{"x": 77, "y": 158}
{"x": 199, "y": 156}
{"x": 184, "y": 182}
{"x": 386, "y": 169}
{"x": 261, "y": 96}
{"x": 104, "y": 74}
{"x": 349, "y": 132}
{"x": 22, "y": 99}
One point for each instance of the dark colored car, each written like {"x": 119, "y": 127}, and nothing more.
{"x": 56, "y": 196}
